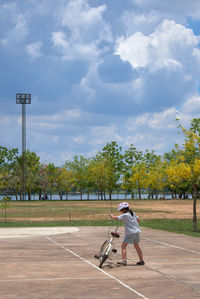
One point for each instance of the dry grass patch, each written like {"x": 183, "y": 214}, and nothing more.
{"x": 95, "y": 210}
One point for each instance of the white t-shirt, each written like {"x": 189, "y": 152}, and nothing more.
{"x": 130, "y": 223}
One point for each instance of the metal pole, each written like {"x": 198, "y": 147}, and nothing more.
{"x": 23, "y": 99}
{"x": 23, "y": 151}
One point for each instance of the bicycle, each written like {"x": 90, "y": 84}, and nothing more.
{"x": 107, "y": 248}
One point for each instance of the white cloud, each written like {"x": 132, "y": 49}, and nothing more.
{"x": 83, "y": 29}
{"x": 184, "y": 7}
{"x": 53, "y": 121}
{"x": 59, "y": 40}
{"x": 134, "y": 50}
{"x": 142, "y": 22}
{"x": 85, "y": 22}
{"x": 58, "y": 157}
{"x": 147, "y": 141}
{"x": 18, "y": 33}
{"x": 79, "y": 139}
{"x": 44, "y": 8}
{"x": 78, "y": 14}
{"x": 100, "y": 135}
{"x": 159, "y": 131}
{"x": 192, "y": 105}
{"x": 44, "y": 125}
{"x": 73, "y": 50}
{"x": 167, "y": 63}
{"x": 162, "y": 121}
{"x": 34, "y": 50}
{"x": 168, "y": 46}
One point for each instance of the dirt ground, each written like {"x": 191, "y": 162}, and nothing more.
{"x": 62, "y": 266}
{"x": 158, "y": 209}
{"x": 166, "y": 209}
{"x": 88, "y": 210}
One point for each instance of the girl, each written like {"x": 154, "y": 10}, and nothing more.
{"x": 132, "y": 231}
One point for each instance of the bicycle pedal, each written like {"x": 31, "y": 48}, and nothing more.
{"x": 97, "y": 256}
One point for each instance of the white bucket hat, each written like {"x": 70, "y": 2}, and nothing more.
{"x": 122, "y": 205}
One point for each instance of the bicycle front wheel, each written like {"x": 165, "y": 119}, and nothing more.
{"x": 103, "y": 259}
{"x": 104, "y": 252}
{"x": 105, "y": 248}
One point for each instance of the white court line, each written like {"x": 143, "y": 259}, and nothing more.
{"x": 97, "y": 268}
{"x": 170, "y": 245}
{"x": 28, "y": 262}
{"x": 50, "y": 278}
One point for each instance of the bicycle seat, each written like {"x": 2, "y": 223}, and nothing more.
{"x": 115, "y": 235}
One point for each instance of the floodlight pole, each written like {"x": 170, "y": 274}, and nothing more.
{"x": 23, "y": 99}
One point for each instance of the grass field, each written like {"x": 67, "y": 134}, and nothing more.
{"x": 170, "y": 215}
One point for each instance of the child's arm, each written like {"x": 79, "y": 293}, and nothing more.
{"x": 113, "y": 216}
{"x": 138, "y": 219}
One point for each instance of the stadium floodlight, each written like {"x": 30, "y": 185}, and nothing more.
{"x": 23, "y": 99}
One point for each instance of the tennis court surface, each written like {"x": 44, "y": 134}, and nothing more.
{"x": 61, "y": 264}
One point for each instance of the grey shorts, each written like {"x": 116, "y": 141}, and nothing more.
{"x": 132, "y": 239}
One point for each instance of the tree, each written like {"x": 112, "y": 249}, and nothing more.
{"x": 63, "y": 181}
{"x": 195, "y": 126}
{"x": 99, "y": 174}
{"x": 4, "y": 205}
{"x": 16, "y": 178}
{"x": 156, "y": 177}
{"x": 32, "y": 170}
{"x": 170, "y": 185}
{"x": 155, "y": 173}
{"x": 188, "y": 163}
{"x": 89, "y": 178}
{"x": 7, "y": 156}
{"x": 7, "y": 160}
{"x": 113, "y": 159}
{"x": 131, "y": 157}
{"x": 138, "y": 177}
{"x": 78, "y": 168}
{"x": 50, "y": 176}
{"x": 178, "y": 173}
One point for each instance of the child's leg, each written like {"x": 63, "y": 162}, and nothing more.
{"x": 139, "y": 251}
{"x": 124, "y": 251}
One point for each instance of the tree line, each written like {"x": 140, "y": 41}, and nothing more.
{"x": 177, "y": 171}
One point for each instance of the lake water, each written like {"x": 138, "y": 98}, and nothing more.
{"x": 93, "y": 196}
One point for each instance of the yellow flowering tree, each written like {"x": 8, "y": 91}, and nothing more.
{"x": 156, "y": 177}
{"x": 100, "y": 172}
{"x": 138, "y": 178}
{"x": 186, "y": 167}
{"x": 63, "y": 181}
{"x": 178, "y": 173}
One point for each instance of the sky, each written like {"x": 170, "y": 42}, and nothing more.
{"x": 98, "y": 71}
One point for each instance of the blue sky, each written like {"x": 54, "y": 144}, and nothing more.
{"x": 98, "y": 71}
